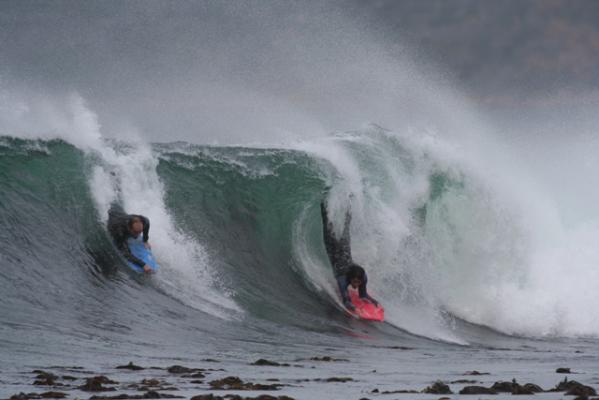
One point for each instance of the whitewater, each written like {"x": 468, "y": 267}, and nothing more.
{"x": 474, "y": 209}
{"x": 463, "y": 248}
{"x": 469, "y": 255}
{"x": 446, "y": 233}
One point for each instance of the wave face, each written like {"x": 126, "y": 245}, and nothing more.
{"x": 237, "y": 232}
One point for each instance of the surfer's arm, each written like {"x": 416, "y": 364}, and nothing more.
{"x": 345, "y": 237}
{"x": 330, "y": 243}
{"x": 342, "y": 283}
{"x": 327, "y": 227}
{"x": 146, "y": 231}
{"x": 124, "y": 248}
{"x": 364, "y": 293}
{"x": 349, "y": 305}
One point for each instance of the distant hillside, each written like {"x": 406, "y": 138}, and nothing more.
{"x": 507, "y": 46}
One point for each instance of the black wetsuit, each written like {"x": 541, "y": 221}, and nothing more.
{"x": 339, "y": 252}
{"x": 118, "y": 227}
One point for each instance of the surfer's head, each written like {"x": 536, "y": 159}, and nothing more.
{"x": 136, "y": 226}
{"x": 356, "y": 275}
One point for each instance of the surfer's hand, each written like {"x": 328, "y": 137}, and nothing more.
{"x": 147, "y": 245}
{"x": 147, "y": 268}
{"x": 349, "y": 306}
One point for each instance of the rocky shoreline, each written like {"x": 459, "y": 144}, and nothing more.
{"x": 76, "y": 382}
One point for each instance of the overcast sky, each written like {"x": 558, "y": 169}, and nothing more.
{"x": 207, "y": 70}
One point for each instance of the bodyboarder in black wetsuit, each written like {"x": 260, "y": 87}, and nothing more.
{"x": 122, "y": 226}
{"x": 339, "y": 251}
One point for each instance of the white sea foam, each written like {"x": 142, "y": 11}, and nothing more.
{"x": 127, "y": 174}
{"x": 492, "y": 249}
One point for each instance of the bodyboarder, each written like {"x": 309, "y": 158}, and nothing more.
{"x": 122, "y": 226}
{"x": 346, "y": 271}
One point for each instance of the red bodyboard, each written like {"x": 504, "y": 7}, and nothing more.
{"x": 365, "y": 309}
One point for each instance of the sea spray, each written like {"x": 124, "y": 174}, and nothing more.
{"x": 125, "y": 173}
{"x": 447, "y": 229}
{"x": 453, "y": 229}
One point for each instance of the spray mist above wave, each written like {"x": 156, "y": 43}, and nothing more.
{"x": 326, "y": 67}
{"x": 126, "y": 174}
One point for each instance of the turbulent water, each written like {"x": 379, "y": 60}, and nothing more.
{"x": 455, "y": 256}
{"x": 478, "y": 229}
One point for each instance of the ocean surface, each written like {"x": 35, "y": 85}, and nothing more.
{"x": 474, "y": 268}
